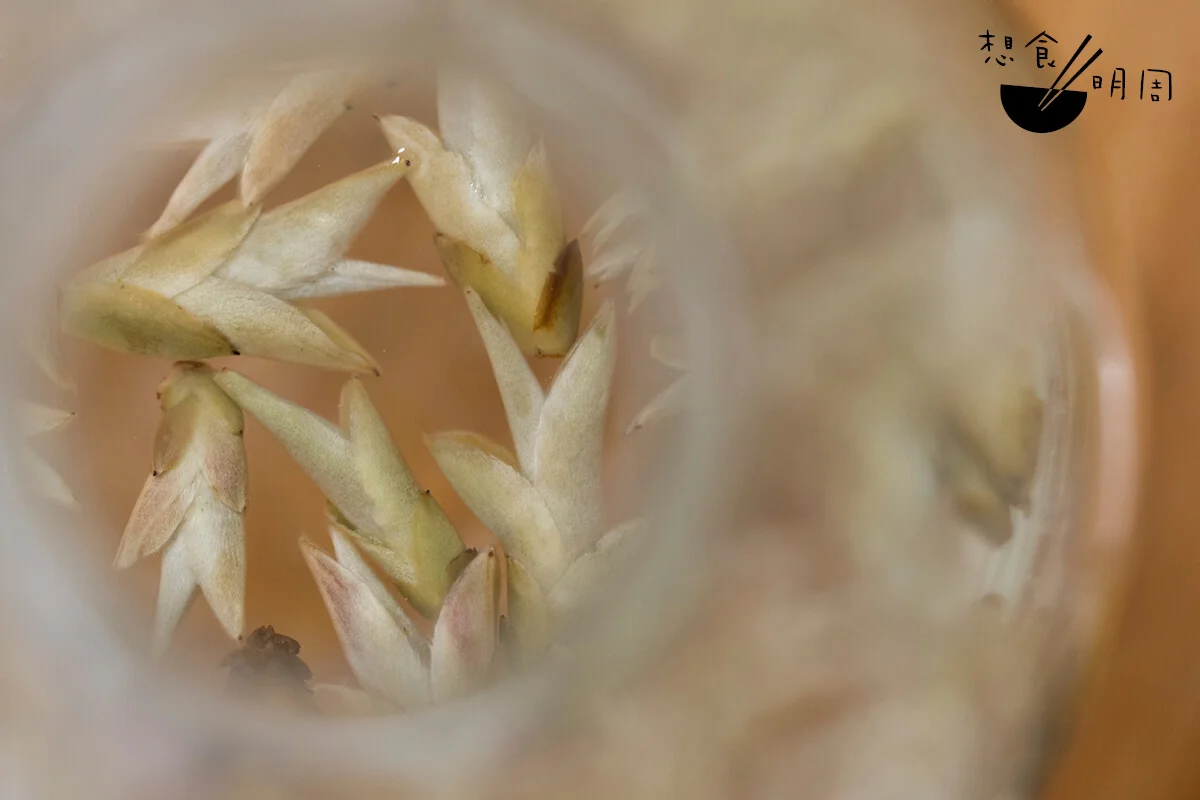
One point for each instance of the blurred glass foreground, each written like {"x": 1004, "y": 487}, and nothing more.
{"x": 857, "y": 268}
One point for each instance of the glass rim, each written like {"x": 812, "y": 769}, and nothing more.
{"x": 538, "y": 64}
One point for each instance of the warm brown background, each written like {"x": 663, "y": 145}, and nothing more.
{"x": 1136, "y": 167}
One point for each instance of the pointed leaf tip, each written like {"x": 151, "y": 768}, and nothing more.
{"x": 349, "y": 557}
{"x": 297, "y": 249}
{"x": 670, "y": 402}
{"x": 520, "y": 390}
{"x": 37, "y": 419}
{"x": 381, "y": 656}
{"x": 569, "y": 453}
{"x": 464, "y": 638}
{"x": 295, "y": 119}
{"x": 503, "y": 499}
{"x": 412, "y": 528}
{"x": 320, "y": 448}
{"x": 46, "y": 481}
{"x": 218, "y": 163}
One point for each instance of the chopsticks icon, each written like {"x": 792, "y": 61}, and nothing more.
{"x": 1052, "y": 93}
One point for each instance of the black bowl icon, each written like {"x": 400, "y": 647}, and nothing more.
{"x": 1021, "y": 104}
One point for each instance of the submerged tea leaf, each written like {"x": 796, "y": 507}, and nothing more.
{"x": 504, "y": 500}
{"x": 443, "y": 183}
{"x": 220, "y": 160}
{"x": 667, "y": 403}
{"x": 206, "y": 553}
{"x": 193, "y": 504}
{"x": 133, "y": 320}
{"x": 606, "y": 221}
{"x": 614, "y": 255}
{"x": 464, "y": 638}
{"x": 989, "y": 450}
{"x": 177, "y": 261}
{"x": 258, "y": 324}
{"x": 297, "y": 250}
{"x": 520, "y": 391}
{"x": 483, "y": 123}
{"x": 400, "y": 526}
{"x": 544, "y": 502}
{"x": 569, "y": 453}
{"x": 490, "y": 194}
{"x": 219, "y": 284}
{"x": 41, "y": 345}
{"x": 388, "y": 657}
{"x": 559, "y": 438}
{"x": 998, "y": 418}
{"x": 37, "y": 419}
{"x": 381, "y": 654}
{"x": 263, "y": 143}
{"x": 292, "y": 123}
{"x": 670, "y": 401}
{"x": 45, "y": 480}
{"x": 348, "y": 556}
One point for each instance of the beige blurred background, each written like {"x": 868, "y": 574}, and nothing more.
{"x": 1134, "y": 170}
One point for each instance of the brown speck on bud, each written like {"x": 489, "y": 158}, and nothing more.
{"x": 456, "y": 566}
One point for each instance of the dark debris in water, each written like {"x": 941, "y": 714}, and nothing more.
{"x": 266, "y": 663}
